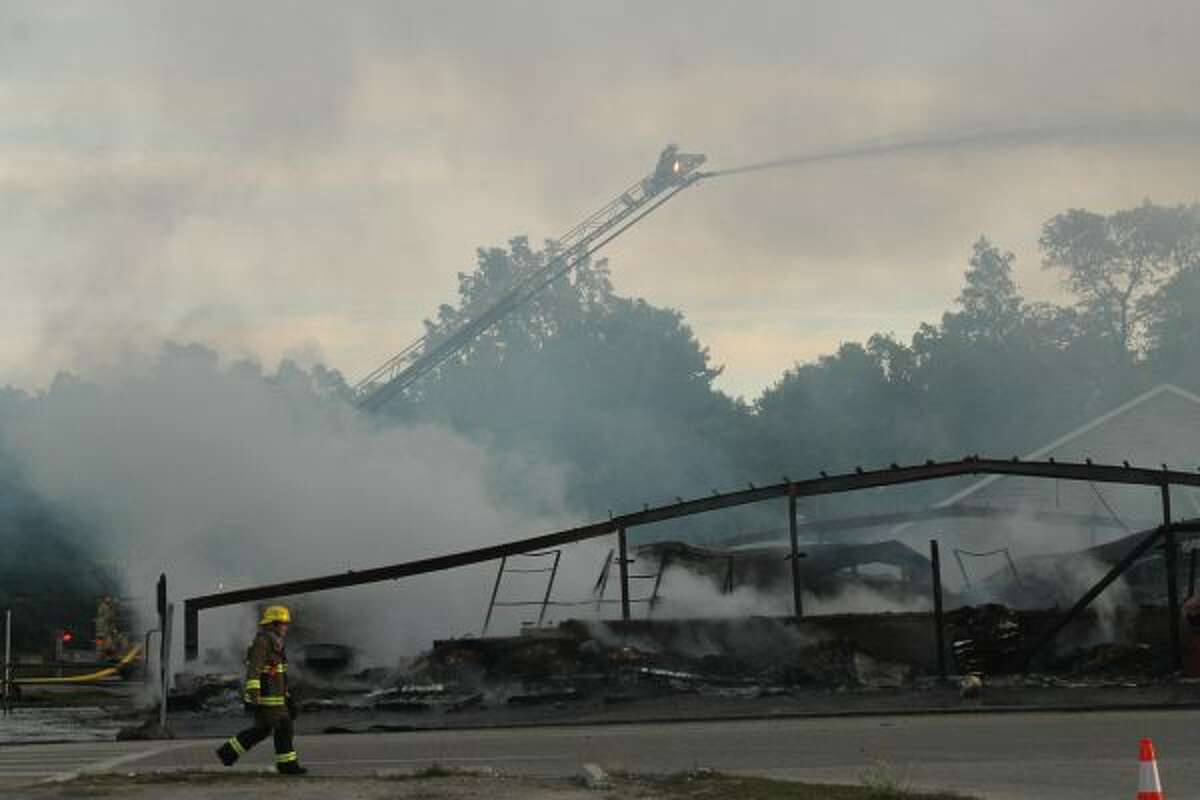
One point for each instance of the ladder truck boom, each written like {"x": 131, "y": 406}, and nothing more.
{"x": 674, "y": 172}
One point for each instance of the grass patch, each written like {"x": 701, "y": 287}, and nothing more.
{"x": 704, "y": 785}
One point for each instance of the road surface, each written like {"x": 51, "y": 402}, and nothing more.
{"x": 1072, "y": 756}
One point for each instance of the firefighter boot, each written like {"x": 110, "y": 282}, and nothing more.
{"x": 291, "y": 768}
{"x": 227, "y": 754}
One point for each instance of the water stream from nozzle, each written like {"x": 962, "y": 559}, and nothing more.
{"x": 1097, "y": 132}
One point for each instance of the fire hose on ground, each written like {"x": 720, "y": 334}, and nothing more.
{"x": 90, "y": 677}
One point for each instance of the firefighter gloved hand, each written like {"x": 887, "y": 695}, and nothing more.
{"x": 293, "y": 708}
{"x": 250, "y": 700}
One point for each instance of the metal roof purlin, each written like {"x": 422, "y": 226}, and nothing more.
{"x": 831, "y": 484}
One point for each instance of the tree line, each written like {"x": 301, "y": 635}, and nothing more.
{"x": 622, "y": 394}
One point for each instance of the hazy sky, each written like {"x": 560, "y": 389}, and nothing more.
{"x": 306, "y": 179}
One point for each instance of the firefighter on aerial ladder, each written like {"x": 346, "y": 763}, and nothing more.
{"x": 667, "y": 167}
{"x": 266, "y": 695}
{"x": 672, "y": 167}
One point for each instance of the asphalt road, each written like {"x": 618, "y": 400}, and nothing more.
{"x": 1000, "y": 756}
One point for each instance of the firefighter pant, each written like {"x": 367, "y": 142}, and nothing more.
{"x": 268, "y": 720}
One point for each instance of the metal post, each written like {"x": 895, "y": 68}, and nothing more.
{"x": 1169, "y": 555}
{"x": 549, "y": 587}
{"x": 938, "y": 620}
{"x": 623, "y": 558}
{"x": 191, "y": 631}
{"x": 164, "y": 664}
{"x": 165, "y": 611}
{"x": 7, "y": 659}
{"x": 163, "y": 608}
{"x": 160, "y": 601}
{"x": 797, "y": 600}
{"x": 495, "y": 589}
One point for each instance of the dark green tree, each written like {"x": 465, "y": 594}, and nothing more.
{"x": 544, "y": 315}
{"x": 990, "y": 308}
{"x": 1173, "y": 332}
{"x": 614, "y": 390}
{"x": 1112, "y": 262}
{"x": 837, "y": 412}
{"x": 52, "y": 574}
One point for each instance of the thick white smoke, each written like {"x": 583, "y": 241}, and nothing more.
{"x": 220, "y": 479}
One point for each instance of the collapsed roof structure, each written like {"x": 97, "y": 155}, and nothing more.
{"x": 1081, "y": 501}
{"x": 1002, "y": 526}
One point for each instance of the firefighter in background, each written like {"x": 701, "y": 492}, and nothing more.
{"x": 110, "y": 641}
{"x": 266, "y": 694}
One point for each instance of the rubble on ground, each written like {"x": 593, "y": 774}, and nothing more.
{"x": 205, "y": 692}
{"x": 617, "y": 663}
{"x": 1107, "y": 660}
{"x": 985, "y": 639}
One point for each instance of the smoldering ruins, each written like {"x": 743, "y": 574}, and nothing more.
{"x": 308, "y": 199}
{"x": 1029, "y": 575}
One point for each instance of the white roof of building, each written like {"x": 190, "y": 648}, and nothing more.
{"x": 1078, "y": 433}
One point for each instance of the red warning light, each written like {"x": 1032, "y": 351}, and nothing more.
{"x": 67, "y": 636}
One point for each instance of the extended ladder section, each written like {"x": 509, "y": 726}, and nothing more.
{"x": 493, "y": 604}
{"x": 673, "y": 173}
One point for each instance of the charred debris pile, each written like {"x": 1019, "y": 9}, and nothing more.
{"x": 607, "y": 663}
{"x": 1123, "y": 642}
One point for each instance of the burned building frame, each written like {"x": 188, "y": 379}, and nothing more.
{"x": 1164, "y": 534}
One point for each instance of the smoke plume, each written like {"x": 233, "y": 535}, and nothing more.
{"x": 221, "y": 479}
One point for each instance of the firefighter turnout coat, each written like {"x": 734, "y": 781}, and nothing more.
{"x": 266, "y": 670}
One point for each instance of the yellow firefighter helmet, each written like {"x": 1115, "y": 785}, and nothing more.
{"x": 275, "y": 614}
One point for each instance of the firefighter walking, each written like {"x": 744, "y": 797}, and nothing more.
{"x": 266, "y": 694}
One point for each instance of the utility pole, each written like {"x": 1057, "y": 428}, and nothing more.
{"x": 1170, "y": 552}
{"x": 165, "y": 610}
{"x": 939, "y": 622}
{"x": 797, "y": 600}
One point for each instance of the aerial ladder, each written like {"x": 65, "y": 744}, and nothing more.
{"x": 674, "y": 172}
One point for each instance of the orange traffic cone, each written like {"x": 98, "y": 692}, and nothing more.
{"x": 1148, "y": 786}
